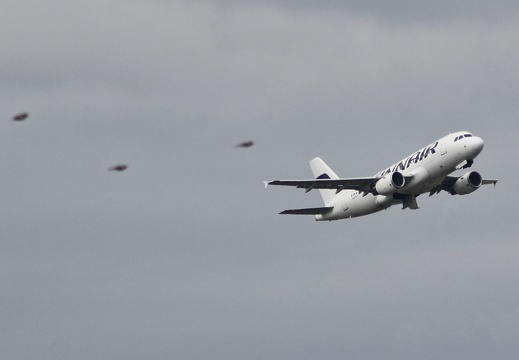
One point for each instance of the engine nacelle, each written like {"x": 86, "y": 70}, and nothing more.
{"x": 390, "y": 183}
{"x": 467, "y": 183}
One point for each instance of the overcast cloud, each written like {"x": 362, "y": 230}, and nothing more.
{"x": 184, "y": 255}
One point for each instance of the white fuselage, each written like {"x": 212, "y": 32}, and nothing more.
{"x": 426, "y": 168}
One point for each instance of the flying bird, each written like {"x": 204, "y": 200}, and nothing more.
{"x": 120, "y": 167}
{"x": 245, "y": 144}
{"x": 21, "y": 116}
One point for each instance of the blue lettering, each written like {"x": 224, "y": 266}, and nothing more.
{"x": 413, "y": 159}
{"x": 407, "y": 162}
{"x": 424, "y": 150}
{"x": 399, "y": 166}
{"x": 432, "y": 147}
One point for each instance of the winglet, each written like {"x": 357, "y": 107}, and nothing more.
{"x": 266, "y": 183}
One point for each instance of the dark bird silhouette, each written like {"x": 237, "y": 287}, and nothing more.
{"x": 20, "y": 117}
{"x": 245, "y": 144}
{"x": 120, "y": 167}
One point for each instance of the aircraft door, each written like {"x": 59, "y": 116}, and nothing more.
{"x": 443, "y": 148}
{"x": 347, "y": 199}
{"x": 344, "y": 204}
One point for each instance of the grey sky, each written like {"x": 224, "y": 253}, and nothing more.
{"x": 184, "y": 254}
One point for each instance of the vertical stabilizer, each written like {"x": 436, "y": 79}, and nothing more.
{"x": 322, "y": 171}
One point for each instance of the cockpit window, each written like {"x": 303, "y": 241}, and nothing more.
{"x": 462, "y": 136}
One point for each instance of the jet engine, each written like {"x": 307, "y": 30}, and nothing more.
{"x": 467, "y": 183}
{"x": 390, "y": 183}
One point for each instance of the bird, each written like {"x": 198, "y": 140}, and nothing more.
{"x": 245, "y": 144}
{"x": 20, "y": 116}
{"x": 120, "y": 167}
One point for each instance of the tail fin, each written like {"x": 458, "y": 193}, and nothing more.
{"x": 322, "y": 171}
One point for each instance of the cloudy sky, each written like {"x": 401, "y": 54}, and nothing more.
{"x": 184, "y": 255}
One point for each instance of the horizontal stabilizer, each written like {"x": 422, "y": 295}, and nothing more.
{"x": 308, "y": 211}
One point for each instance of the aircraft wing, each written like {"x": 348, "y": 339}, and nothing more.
{"x": 448, "y": 183}
{"x": 308, "y": 211}
{"x": 360, "y": 184}
{"x": 488, "y": 182}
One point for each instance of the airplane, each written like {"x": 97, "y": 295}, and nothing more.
{"x": 424, "y": 171}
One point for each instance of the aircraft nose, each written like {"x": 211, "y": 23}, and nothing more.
{"x": 477, "y": 144}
